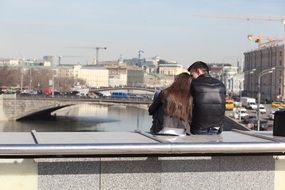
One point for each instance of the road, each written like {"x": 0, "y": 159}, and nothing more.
{"x": 231, "y": 123}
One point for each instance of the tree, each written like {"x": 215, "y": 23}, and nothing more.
{"x": 10, "y": 76}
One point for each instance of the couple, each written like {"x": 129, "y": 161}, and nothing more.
{"x": 193, "y": 104}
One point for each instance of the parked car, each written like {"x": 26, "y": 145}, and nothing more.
{"x": 229, "y": 104}
{"x": 249, "y": 119}
{"x": 251, "y": 123}
{"x": 271, "y": 115}
{"x": 237, "y": 104}
{"x": 239, "y": 113}
{"x": 236, "y": 98}
{"x": 278, "y": 104}
{"x": 262, "y": 109}
{"x": 263, "y": 125}
{"x": 25, "y": 94}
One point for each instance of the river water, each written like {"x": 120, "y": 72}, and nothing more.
{"x": 87, "y": 117}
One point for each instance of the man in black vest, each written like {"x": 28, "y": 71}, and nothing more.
{"x": 208, "y": 101}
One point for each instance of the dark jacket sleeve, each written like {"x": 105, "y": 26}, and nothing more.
{"x": 157, "y": 112}
{"x": 156, "y": 104}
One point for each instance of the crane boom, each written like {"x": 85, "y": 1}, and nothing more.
{"x": 91, "y": 47}
{"x": 248, "y": 18}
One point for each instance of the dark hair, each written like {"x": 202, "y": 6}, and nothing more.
{"x": 177, "y": 98}
{"x": 199, "y": 65}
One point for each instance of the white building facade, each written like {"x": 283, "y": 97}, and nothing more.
{"x": 93, "y": 76}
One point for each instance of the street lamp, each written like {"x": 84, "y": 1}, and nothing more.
{"x": 22, "y": 78}
{"x": 262, "y": 73}
{"x": 30, "y": 80}
{"x": 54, "y": 74}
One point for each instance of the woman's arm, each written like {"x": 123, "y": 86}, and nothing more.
{"x": 155, "y": 104}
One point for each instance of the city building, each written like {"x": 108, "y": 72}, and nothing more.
{"x": 9, "y": 62}
{"x": 152, "y": 80}
{"x": 166, "y": 80}
{"x": 48, "y": 60}
{"x": 229, "y": 75}
{"x": 135, "y": 76}
{"x": 166, "y": 68}
{"x": 148, "y": 65}
{"x": 272, "y": 84}
{"x": 66, "y": 71}
{"x": 117, "y": 75}
{"x": 93, "y": 76}
{"x": 132, "y": 72}
{"x": 238, "y": 84}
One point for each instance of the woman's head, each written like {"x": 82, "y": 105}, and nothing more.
{"x": 177, "y": 97}
{"x": 182, "y": 81}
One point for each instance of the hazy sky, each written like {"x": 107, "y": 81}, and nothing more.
{"x": 164, "y": 28}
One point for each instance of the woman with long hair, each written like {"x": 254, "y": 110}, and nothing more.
{"x": 172, "y": 109}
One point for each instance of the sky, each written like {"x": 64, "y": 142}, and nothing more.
{"x": 165, "y": 28}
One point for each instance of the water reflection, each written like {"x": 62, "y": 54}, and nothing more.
{"x": 87, "y": 117}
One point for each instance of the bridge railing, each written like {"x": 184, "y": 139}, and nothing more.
{"x": 85, "y": 98}
{"x": 38, "y": 144}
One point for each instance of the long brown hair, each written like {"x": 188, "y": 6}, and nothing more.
{"x": 177, "y": 98}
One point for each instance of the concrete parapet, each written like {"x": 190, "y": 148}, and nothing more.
{"x": 122, "y": 160}
{"x": 58, "y": 174}
{"x": 167, "y": 173}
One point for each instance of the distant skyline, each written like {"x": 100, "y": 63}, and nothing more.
{"x": 164, "y": 28}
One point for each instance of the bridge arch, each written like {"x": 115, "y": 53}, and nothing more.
{"x": 41, "y": 113}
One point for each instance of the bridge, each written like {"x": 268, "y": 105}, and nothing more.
{"x": 128, "y": 88}
{"x": 14, "y": 107}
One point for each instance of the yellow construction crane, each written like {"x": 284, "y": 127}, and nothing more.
{"x": 264, "y": 41}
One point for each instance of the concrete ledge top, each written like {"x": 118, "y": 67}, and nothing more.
{"x": 133, "y": 137}
{"x": 136, "y": 143}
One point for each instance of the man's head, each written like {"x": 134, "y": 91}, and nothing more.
{"x": 198, "y": 68}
